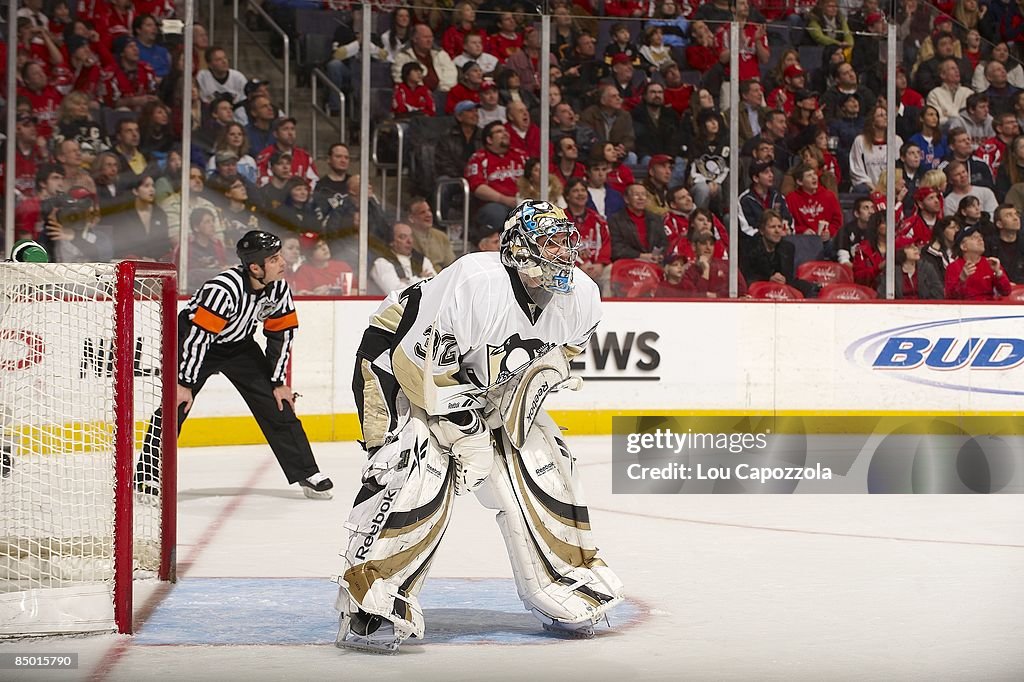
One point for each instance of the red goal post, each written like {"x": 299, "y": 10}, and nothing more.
{"x": 88, "y": 354}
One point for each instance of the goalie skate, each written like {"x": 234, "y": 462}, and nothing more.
{"x": 368, "y": 633}
{"x": 584, "y": 630}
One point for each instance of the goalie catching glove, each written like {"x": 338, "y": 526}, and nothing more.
{"x": 466, "y": 436}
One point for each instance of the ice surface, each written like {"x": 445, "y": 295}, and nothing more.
{"x": 724, "y": 587}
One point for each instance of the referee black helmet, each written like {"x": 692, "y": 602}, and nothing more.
{"x": 256, "y": 246}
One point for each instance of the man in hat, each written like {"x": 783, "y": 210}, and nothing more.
{"x": 284, "y": 141}
{"x": 460, "y": 142}
{"x": 485, "y": 238}
{"x": 794, "y": 79}
{"x": 626, "y": 80}
{"x": 128, "y": 83}
{"x": 490, "y": 109}
{"x": 659, "y": 173}
{"x": 918, "y": 227}
{"x": 86, "y": 74}
{"x": 760, "y": 197}
{"x": 276, "y": 189}
{"x": 220, "y": 77}
{"x": 972, "y": 277}
{"x": 468, "y": 87}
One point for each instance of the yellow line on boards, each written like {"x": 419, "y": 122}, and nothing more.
{"x": 209, "y": 431}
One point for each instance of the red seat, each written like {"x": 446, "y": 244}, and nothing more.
{"x": 847, "y": 291}
{"x": 774, "y": 291}
{"x": 1016, "y": 294}
{"x": 632, "y": 278}
{"x": 824, "y": 272}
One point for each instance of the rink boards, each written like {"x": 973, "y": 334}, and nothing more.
{"x": 807, "y": 360}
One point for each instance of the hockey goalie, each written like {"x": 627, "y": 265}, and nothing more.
{"x": 449, "y": 381}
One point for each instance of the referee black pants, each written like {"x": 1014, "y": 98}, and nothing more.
{"x": 246, "y": 367}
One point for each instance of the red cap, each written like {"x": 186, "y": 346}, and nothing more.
{"x": 873, "y": 18}
{"x": 309, "y": 240}
{"x": 488, "y": 84}
{"x": 903, "y": 242}
{"x": 622, "y": 58}
{"x": 942, "y": 19}
{"x": 922, "y": 193}
{"x": 793, "y": 70}
{"x": 658, "y": 158}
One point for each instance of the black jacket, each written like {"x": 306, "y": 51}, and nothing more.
{"x": 626, "y": 241}
{"x": 653, "y": 138}
{"x": 454, "y": 150}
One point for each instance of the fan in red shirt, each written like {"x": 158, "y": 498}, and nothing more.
{"x": 702, "y": 53}
{"x": 84, "y": 73}
{"x": 754, "y": 49}
{"x": 492, "y": 173}
{"x": 523, "y": 134}
{"x": 702, "y": 222}
{"x": 471, "y": 82}
{"x": 971, "y": 277}
{"x": 114, "y": 19}
{"x": 463, "y": 25}
{"x": 129, "y": 82}
{"x": 320, "y": 275}
{"x": 707, "y": 275}
{"x": 681, "y": 212}
{"x": 595, "y": 253}
{"x": 992, "y": 151}
{"x": 927, "y": 210}
{"x": 677, "y": 93}
{"x": 28, "y": 155}
{"x": 285, "y": 136}
{"x": 411, "y": 96}
{"x": 508, "y": 40}
{"x": 815, "y": 209}
{"x": 784, "y": 96}
{"x": 43, "y": 97}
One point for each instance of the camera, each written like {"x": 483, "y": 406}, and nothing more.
{"x": 72, "y": 212}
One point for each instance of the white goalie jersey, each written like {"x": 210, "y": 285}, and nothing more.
{"x": 475, "y": 327}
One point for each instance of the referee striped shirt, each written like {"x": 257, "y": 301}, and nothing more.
{"x": 227, "y": 310}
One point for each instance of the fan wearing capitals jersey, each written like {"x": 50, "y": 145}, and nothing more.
{"x": 449, "y": 381}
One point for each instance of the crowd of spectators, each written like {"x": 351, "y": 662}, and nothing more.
{"x": 638, "y": 153}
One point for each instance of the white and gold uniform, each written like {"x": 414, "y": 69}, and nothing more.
{"x": 460, "y": 344}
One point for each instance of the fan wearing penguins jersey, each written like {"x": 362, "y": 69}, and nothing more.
{"x": 438, "y": 372}
{"x": 215, "y": 335}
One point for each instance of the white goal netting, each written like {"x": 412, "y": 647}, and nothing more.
{"x": 60, "y": 410}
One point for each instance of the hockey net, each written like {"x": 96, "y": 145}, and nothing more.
{"x": 87, "y": 356}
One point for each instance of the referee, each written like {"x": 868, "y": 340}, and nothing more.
{"x": 215, "y": 334}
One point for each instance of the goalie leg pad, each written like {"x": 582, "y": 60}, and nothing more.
{"x": 546, "y": 526}
{"x": 397, "y": 522}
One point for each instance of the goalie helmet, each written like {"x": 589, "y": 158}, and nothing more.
{"x": 541, "y": 242}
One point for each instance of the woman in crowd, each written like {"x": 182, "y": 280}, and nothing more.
{"x": 868, "y": 156}
{"x": 969, "y": 214}
{"x": 155, "y": 134}
{"x": 827, "y": 25}
{"x": 620, "y": 176}
{"x": 653, "y": 50}
{"x": 396, "y": 38}
{"x": 915, "y": 278}
{"x": 869, "y": 253}
{"x": 595, "y": 242}
{"x": 232, "y": 138}
{"x": 528, "y": 184}
{"x": 1000, "y": 53}
{"x": 939, "y": 253}
{"x": 674, "y": 27}
{"x": 774, "y": 78}
{"x": 931, "y": 139}
{"x": 700, "y": 100}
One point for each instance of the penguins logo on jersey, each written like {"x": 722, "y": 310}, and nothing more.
{"x": 511, "y": 357}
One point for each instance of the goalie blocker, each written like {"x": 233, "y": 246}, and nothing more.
{"x": 449, "y": 382}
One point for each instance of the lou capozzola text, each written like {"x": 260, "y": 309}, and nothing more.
{"x": 665, "y": 441}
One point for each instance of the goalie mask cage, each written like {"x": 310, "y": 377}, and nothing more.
{"x": 88, "y": 353}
